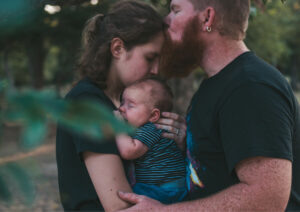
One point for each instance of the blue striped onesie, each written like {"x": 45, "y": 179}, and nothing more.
{"x": 160, "y": 172}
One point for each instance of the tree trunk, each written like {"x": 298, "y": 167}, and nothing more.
{"x": 183, "y": 90}
{"x": 8, "y": 71}
{"x": 36, "y": 59}
{"x": 294, "y": 73}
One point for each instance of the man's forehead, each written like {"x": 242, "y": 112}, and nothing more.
{"x": 177, "y": 2}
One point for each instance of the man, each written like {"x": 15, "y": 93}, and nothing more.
{"x": 243, "y": 136}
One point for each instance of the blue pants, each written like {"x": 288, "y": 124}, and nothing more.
{"x": 166, "y": 193}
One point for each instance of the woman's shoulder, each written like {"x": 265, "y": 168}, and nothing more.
{"x": 85, "y": 87}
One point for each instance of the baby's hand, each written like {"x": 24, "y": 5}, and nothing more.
{"x": 118, "y": 115}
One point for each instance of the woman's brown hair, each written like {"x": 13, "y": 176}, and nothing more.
{"x": 132, "y": 21}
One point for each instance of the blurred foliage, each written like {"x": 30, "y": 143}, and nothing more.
{"x": 35, "y": 109}
{"x": 39, "y": 49}
{"x": 17, "y": 177}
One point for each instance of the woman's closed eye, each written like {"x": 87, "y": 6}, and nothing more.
{"x": 150, "y": 59}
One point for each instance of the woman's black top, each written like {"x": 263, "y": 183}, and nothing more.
{"x": 75, "y": 186}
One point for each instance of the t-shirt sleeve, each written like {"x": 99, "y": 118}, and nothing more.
{"x": 148, "y": 134}
{"x": 255, "y": 121}
{"x": 84, "y": 143}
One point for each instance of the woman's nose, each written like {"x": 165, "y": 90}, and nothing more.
{"x": 154, "y": 69}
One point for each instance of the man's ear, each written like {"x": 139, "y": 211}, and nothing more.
{"x": 117, "y": 47}
{"x": 207, "y": 18}
{"x": 155, "y": 115}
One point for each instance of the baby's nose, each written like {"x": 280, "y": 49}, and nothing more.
{"x": 121, "y": 109}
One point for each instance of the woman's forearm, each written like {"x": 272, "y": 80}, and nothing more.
{"x": 108, "y": 176}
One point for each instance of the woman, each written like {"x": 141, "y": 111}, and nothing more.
{"x": 118, "y": 49}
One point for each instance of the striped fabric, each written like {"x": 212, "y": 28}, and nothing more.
{"x": 163, "y": 162}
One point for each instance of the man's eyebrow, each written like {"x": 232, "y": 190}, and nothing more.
{"x": 173, "y": 6}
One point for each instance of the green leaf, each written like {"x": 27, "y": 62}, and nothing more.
{"x": 29, "y": 109}
{"x": 3, "y": 84}
{"x": 92, "y": 119}
{"x": 33, "y": 133}
{"x": 34, "y": 109}
{"x": 14, "y": 14}
{"x": 23, "y": 181}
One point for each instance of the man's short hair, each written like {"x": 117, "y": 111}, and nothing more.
{"x": 231, "y": 16}
{"x": 160, "y": 93}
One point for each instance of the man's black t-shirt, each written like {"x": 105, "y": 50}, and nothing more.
{"x": 75, "y": 186}
{"x": 246, "y": 110}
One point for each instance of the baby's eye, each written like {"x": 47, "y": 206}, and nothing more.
{"x": 130, "y": 105}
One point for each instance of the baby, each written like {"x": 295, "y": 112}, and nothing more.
{"x": 159, "y": 164}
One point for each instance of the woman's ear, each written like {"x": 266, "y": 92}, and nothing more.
{"x": 155, "y": 115}
{"x": 117, "y": 47}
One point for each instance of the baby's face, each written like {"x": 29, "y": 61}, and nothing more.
{"x": 135, "y": 106}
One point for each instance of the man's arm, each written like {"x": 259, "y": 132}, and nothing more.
{"x": 130, "y": 148}
{"x": 265, "y": 185}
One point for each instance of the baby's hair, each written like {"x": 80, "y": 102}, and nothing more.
{"x": 160, "y": 92}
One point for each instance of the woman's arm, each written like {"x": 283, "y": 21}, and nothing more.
{"x": 176, "y": 127}
{"x": 108, "y": 176}
{"x": 130, "y": 148}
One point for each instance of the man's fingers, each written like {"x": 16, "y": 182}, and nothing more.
{"x": 169, "y": 122}
{"x": 173, "y": 116}
{"x": 130, "y": 197}
{"x": 170, "y": 129}
{"x": 170, "y": 115}
{"x": 169, "y": 136}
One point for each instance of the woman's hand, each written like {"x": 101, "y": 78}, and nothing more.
{"x": 176, "y": 127}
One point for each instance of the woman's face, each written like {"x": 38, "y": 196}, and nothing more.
{"x": 141, "y": 61}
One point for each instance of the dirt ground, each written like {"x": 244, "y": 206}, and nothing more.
{"x": 39, "y": 164}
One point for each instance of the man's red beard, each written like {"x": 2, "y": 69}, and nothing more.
{"x": 180, "y": 58}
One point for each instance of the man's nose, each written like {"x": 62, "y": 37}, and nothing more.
{"x": 167, "y": 19}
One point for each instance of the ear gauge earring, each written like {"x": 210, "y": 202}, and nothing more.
{"x": 208, "y": 29}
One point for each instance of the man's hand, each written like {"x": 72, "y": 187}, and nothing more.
{"x": 140, "y": 202}
{"x": 176, "y": 127}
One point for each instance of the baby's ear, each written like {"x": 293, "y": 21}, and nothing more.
{"x": 155, "y": 115}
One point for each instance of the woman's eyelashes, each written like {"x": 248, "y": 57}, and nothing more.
{"x": 150, "y": 59}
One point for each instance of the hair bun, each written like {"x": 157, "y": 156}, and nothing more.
{"x": 90, "y": 30}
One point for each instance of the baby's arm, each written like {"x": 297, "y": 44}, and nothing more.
{"x": 130, "y": 148}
